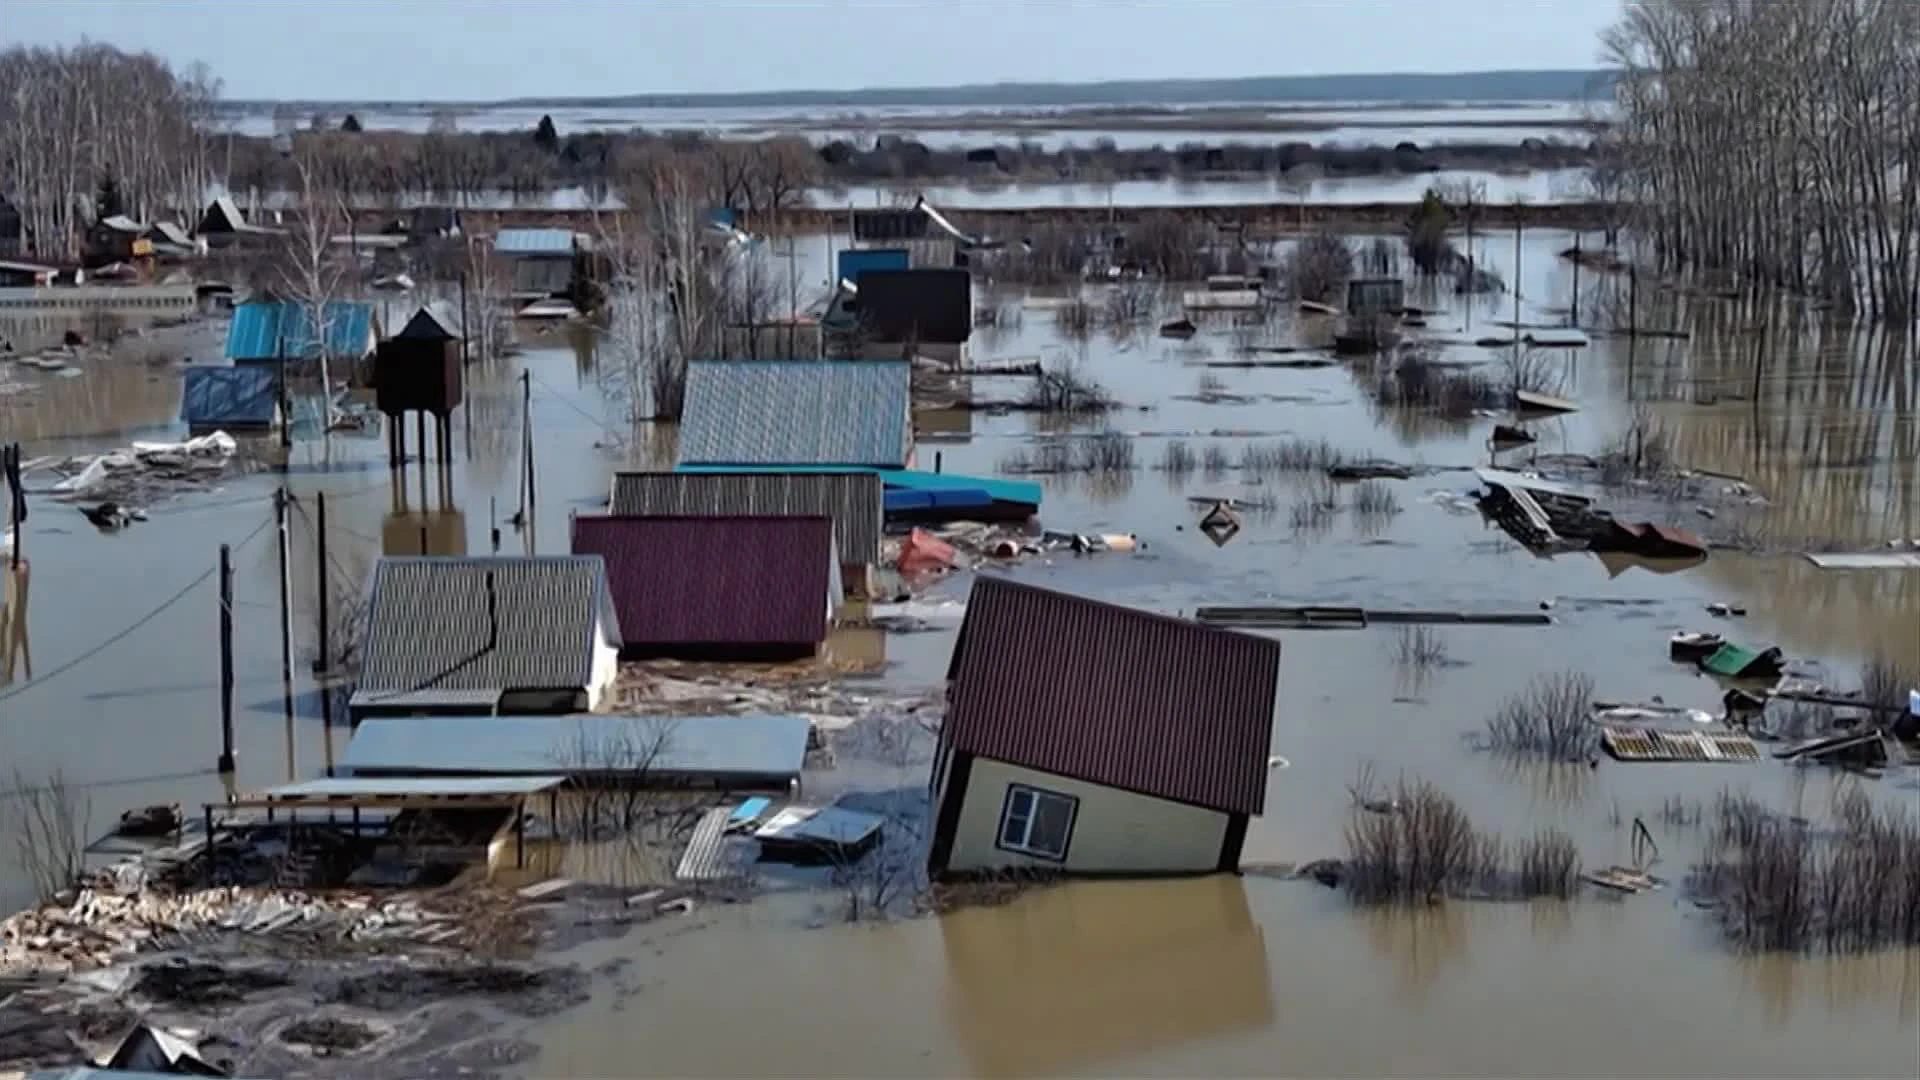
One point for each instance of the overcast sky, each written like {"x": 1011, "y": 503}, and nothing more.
{"x": 490, "y": 49}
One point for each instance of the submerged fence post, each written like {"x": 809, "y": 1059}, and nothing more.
{"x": 324, "y": 661}
{"x": 226, "y": 762}
{"x": 280, "y": 501}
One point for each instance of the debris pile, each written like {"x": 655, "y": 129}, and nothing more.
{"x": 143, "y": 470}
{"x": 100, "y": 927}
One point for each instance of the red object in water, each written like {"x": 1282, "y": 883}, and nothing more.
{"x": 923, "y": 553}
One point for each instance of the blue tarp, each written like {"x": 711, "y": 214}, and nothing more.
{"x": 853, "y": 262}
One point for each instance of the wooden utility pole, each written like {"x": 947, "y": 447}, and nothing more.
{"x": 466, "y": 379}
{"x": 16, "y": 495}
{"x": 280, "y": 501}
{"x": 526, "y": 440}
{"x": 323, "y": 662}
{"x": 226, "y": 762}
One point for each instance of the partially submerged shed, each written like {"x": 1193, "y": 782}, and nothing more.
{"x": 293, "y": 331}
{"x": 718, "y": 587}
{"x": 542, "y": 262}
{"x": 852, "y": 498}
{"x": 930, "y": 305}
{"x": 236, "y": 400}
{"x": 728, "y": 753}
{"x": 1085, "y": 737}
{"x": 508, "y": 635}
{"x": 807, "y": 412}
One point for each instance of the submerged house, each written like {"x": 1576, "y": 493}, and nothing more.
{"x": 762, "y": 413}
{"x": 1088, "y": 738}
{"x": 853, "y": 499}
{"x": 541, "y": 262}
{"x": 118, "y": 238}
{"x": 222, "y": 225}
{"x": 272, "y": 331}
{"x": 733, "y": 588}
{"x": 534, "y": 635}
{"x": 236, "y": 400}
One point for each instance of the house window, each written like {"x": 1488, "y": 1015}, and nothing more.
{"x": 1037, "y": 823}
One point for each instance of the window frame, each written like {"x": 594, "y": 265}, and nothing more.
{"x": 1034, "y": 794}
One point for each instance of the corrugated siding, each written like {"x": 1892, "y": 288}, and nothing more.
{"x": 1113, "y": 696}
{"x": 762, "y": 412}
{"x": 533, "y": 745}
{"x": 428, "y": 627}
{"x": 266, "y": 331}
{"x": 851, "y": 499}
{"x": 237, "y": 396}
{"x": 533, "y": 242}
{"x": 715, "y": 580}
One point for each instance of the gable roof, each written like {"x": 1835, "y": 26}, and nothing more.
{"x": 796, "y": 412}
{"x": 1113, "y": 696}
{"x": 433, "y": 322}
{"x": 224, "y": 395}
{"x": 270, "y": 329}
{"x": 429, "y": 636}
{"x": 716, "y": 580}
{"x": 223, "y": 215}
{"x": 535, "y": 242}
{"x": 852, "y": 499}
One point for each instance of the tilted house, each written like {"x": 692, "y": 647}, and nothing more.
{"x": 853, "y": 499}
{"x": 764, "y": 413}
{"x": 235, "y": 400}
{"x": 714, "y": 588}
{"x": 535, "y": 635}
{"x": 1089, "y": 738}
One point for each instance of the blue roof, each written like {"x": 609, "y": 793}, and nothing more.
{"x": 228, "y": 396}
{"x": 796, "y": 412}
{"x": 533, "y": 242}
{"x": 714, "y": 748}
{"x": 270, "y": 329}
{"x": 1025, "y": 492}
{"x": 852, "y": 262}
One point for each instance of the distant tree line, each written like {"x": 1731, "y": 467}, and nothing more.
{"x": 1779, "y": 142}
{"x": 760, "y": 174}
{"x": 94, "y": 130}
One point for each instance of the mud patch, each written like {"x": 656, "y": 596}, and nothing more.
{"x": 195, "y": 984}
{"x": 524, "y": 991}
{"x": 327, "y": 1035}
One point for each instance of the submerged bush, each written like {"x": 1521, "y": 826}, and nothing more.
{"x": 1419, "y": 847}
{"x": 1551, "y": 718}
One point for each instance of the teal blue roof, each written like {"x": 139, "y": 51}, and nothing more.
{"x": 1025, "y": 492}
{"x": 270, "y": 329}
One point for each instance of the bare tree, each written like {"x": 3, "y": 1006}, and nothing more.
{"x": 49, "y": 822}
{"x": 313, "y": 274}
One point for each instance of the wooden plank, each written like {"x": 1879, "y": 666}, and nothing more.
{"x": 708, "y": 857}
{"x": 1866, "y": 560}
{"x": 1647, "y": 744}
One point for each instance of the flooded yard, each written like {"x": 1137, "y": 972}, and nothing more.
{"x": 1222, "y": 976}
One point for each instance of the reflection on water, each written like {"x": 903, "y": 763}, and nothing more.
{"x": 1070, "y": 978}
{"x": 1419, "y": 945}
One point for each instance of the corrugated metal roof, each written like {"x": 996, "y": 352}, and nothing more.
{"x": 534, "y": 242}
{"x": 1025, "y": 492}
{"x": 851, "y": 499}
{"x": 796, "y": 412}
{"x": 340, "y": 787}
{"x": 709, "y": 748}
{"x": 270, "y": 329}
{"x": 1113, "y": 696}
{"x": 240, "y": 397}
{"x": 428, "y": 629}
{"x": 716, "y": 580}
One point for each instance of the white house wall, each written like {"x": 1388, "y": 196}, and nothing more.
{"x": 1113, "y": 831}
{"x": 606, "y": 668}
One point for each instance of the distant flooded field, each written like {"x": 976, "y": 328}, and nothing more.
{"x": 1225, "y": 976}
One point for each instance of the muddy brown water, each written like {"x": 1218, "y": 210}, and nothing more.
{"x": 1218, "y": 977}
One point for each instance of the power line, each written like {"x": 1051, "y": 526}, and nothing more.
{"x": 131, "y": 629}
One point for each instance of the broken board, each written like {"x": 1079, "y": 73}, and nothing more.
{"x": 1652, "y": 744}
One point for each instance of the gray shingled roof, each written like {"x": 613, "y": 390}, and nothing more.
{"x": 428, "y": 632}
{"x": 852, "y": 499}
{"x": 796, "y": 412}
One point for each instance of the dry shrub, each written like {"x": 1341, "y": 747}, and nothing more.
{"x": 1177, "y": 458}
{"x": 1424, "y": 848}
{"x": 1549, "y": 719}
{"x": 1313, "y": 509}
{"x": 1063, "y": 387}
{"x": 1320, "y": 266}
{"x": 1417, "y": 381}
{"x": 1419, "y": 647}
{"x": 49, "y": 821}
{"x": 1296, "y": 455}
{"x": 1213, "y": 460}
{"x": 1373, "y": 498}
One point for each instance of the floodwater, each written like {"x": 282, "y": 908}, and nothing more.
{"x": 767, "y": 120}
{"x": 1219, "y": 977}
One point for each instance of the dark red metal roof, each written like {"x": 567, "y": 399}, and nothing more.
{"x": 1113, "y": 696}
{"x": 715, "y": 580}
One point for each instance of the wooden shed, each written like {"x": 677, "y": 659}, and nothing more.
{"x": 419, "y": 369}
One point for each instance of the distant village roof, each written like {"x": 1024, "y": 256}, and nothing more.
{"x": 744, "y": 581}
{"x": 429, "y": 634}
{"x": 172, "y": 233}
{"x": 122, "y": 223}
{"x": 270, "y": 329}
{"x": 228, "y": 396}
{"x": 796, "y": 412}
{"x": 535, "y": 241}
{"x": 1113, "y": 696}
{"x": 852, "y": 499}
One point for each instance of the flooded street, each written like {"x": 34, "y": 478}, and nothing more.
{"x": 1222, "y": 976}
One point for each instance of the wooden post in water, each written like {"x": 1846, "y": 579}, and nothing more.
{"x": 324, "y": 661}
{"x": 16, "y": 500}
{"x": 465, "y": 359}
{"x": 1573, "y": 318}
{"x": 280, "y": 501}
{"x": 526, "y": 429}
{"x": 226, "y": 762}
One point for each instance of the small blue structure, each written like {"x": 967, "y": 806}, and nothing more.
{"x": 550, "y": 242}
{"x": 851, "y": 263}
{"x": 269, "y": 331}
{"x": 913, "y": 494}
{"x": 230, "y": 399}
